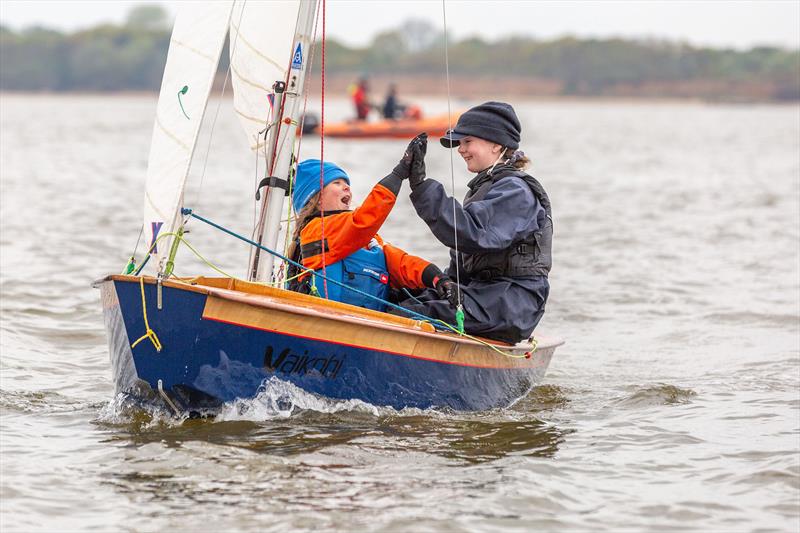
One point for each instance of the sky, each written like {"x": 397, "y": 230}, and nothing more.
{"x": 736, "y": 24}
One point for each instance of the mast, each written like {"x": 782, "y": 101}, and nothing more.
{"x": 280, "y": 142}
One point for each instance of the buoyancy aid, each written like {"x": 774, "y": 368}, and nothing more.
{"x": 364, "y": 270}
{"x": 531, "y": 256}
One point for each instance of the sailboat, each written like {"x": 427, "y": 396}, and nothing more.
{"x": 197, "y": 343}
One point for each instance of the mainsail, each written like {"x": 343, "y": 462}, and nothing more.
{"x": 261, "y": 38}
{"x": 194, "y": 52}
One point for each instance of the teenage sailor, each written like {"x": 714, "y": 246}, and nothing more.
{"x": 354, "y": 254}
{"x": 503, "y": 230}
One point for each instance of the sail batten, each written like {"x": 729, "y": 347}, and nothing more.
{"x": 253, "y": 49}
{"x": 192, "y": 49}
{"x": 252, "y": 83}
{"x": 256, "y": 120}
{"x": 172, "y": 135}
{"x": 262, "y": 35}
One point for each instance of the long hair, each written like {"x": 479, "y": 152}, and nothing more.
{"x": 306, "y": 213}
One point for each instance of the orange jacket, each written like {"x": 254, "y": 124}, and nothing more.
{"x": 346, "y": 232}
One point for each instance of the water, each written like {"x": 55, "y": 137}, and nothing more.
{"x": 675, "y": 403}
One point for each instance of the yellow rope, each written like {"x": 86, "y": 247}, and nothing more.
{"x": 150, "y": 334}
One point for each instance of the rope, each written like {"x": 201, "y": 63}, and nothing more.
{"x": 149, "y": 333}
{"x": 460, "y": 308}
{"x": 307, "y": 86}
{"x": 322, "y": 156}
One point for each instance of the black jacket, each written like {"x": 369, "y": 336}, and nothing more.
{"x": 505, "y": 308}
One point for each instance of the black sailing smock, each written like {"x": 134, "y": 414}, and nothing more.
{"x": 500, "y": 217}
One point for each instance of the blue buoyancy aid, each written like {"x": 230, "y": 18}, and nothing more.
{"x": 364, "y": 270}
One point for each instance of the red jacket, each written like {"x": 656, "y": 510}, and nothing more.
{"x": 361, "y": 103}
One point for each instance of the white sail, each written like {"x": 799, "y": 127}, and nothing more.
{"x": 262, "y": 35}
{"x": 194, "y": 51}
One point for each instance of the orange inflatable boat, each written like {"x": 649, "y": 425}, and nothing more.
{"x": 404, "y": 128}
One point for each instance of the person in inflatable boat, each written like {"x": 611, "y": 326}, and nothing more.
{"x": 328, "y": 232}
{"x": 504, "y": 229}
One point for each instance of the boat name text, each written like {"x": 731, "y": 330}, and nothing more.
{"x": 292, "y": 363}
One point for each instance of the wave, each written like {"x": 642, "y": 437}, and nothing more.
{"x": 280, "y": 399}
{"x": 659, "y": 394}
{"x": 275, "y": 400}
{"x": 38, "y": 402}
{"x": 752, "y": 318}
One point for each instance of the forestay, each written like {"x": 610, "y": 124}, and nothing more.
{"x": 194, "y": 52}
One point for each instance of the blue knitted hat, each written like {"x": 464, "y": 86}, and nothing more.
{"x": 493, "y": 121}
{"x": 306, "y": 181}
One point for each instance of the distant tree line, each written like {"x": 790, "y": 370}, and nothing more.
{"x": 104, "y": 58}
{"x": 132, "y": 57}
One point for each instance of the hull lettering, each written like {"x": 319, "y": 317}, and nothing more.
{"x": 287, "y": 362}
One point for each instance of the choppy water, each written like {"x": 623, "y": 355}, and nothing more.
{"x": 675, "y": 403}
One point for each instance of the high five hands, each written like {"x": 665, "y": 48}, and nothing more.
{"x": 412, "y": 165}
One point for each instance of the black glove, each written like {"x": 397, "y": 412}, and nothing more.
{"x": 403, "y": 169}
{"x": 447, "y": 289}
{"x": 417, "y": 174}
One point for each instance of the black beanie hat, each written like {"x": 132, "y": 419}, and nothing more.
{"x": 493, "y": 121}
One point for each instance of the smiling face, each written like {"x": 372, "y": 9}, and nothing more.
{"x": 335, "y": 196}
{"x": 478, "y": 153}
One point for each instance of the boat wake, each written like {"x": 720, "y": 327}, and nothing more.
{"x": 127, "y": 409}
{"x": 280, "y": 399}
{"x": 276, "y": 399}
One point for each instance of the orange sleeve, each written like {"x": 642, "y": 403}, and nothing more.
{"x": 405, "y": 270}
{"x": 347, "y": 232}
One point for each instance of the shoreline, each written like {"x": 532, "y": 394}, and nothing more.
{"x": 528, "y": 98}
{"x": 469, "y": 88}
{"x": 409, "y": 96}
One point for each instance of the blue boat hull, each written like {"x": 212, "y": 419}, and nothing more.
{"x": 205, "y": 361}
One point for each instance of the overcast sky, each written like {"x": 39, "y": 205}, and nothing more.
{"x": 720, "y": 23}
